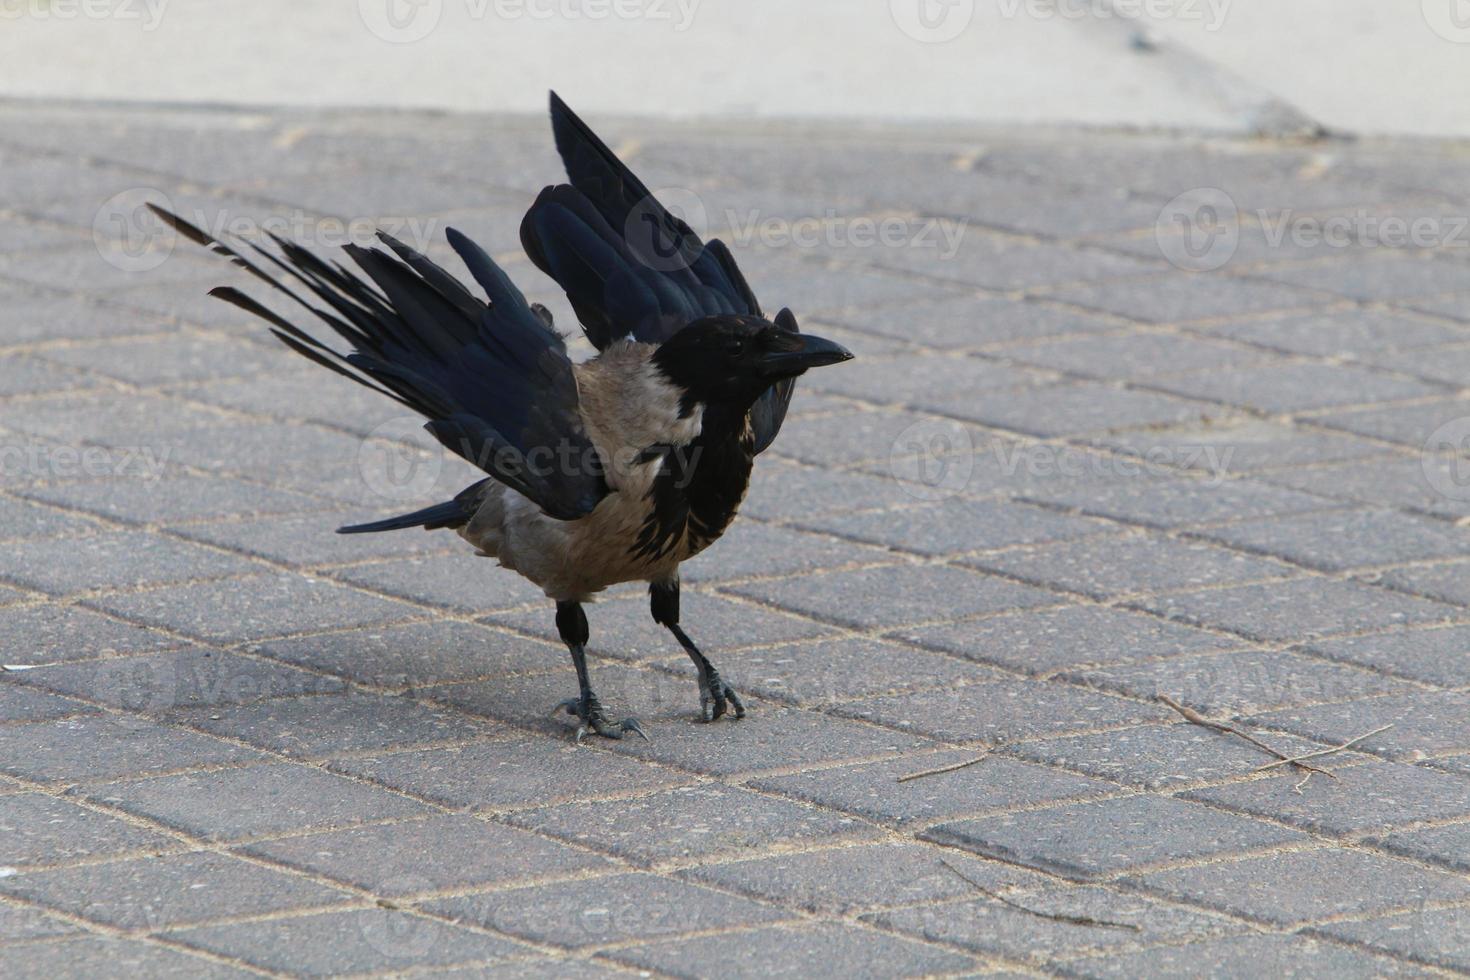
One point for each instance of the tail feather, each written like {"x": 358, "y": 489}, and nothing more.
{"x": 454, "y": 513}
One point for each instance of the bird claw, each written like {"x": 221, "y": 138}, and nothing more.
{"x": 591, "y": 720}
{"x": 715, "y": 697}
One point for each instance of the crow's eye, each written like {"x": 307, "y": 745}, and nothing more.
{"x": 735, "y": 347}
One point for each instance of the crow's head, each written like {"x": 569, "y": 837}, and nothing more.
{"x": 734, "y": 359}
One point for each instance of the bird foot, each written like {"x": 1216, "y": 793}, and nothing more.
{"x": 590, "y": 718}
{"x": 715, "y": 697}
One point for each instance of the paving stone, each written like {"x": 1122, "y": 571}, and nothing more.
{"x": 94, "y": 747}
{"x": 63, "y": 566}
{"x": 820, "y": 672}
{"x": 1298, "y": 609}
{"x": 1374, "y": 796}
{"x": 872, "y": 789}
{"x": 783, "y": 737}
{"x": 846, "y": 880}
{"x": 38, "y": 635}
{"x": 174, "y": 498}
{"x": 1292, "y": 888}
{"x": 1445, "y": 582}
{"x": 910, "y": 379}
{"x": 22, "y": 374}
{"x": 1001, "y": 711}
{"x": 440, "y": 853}
{"x": 1416, "y": 484}
{"x": 143, "y": 423}
{"x": 1297, "y": 387}
{"x": 169, "y": 359}
{"x": 1447, "y": 365}
{"x": 252, "y": 801}
{"x": 85, "y": 268}
{"x": 1338, "y": 540}
{"x": 309, "y": 541}
{"x": 760, "y": 549}
{"x": 988, "y": 926}
{"x": 1436, "y": 656}
{"x": 1046, "y": 641}
{"x": 843, "y": 439}
{"x": 460, "y": 582}
{"x": 596, "y": 911}
{"x": 695, "y": 822}
{"x": 174, "y": 890}
{"x": 510, "y": 772}
{"x": 1134, "y": 356}
{"x": 18, "y": 704}
{"x": 1259, "y": 955}
{"x": 415, "y": 655}
{"x": 786, "y": 491}
{"x": 1411, "y": 425}
{"x": 105, "y": 955}
{"x": 1006, "y": 264}
{"x": 1155, "y": 757}
{"x": 336, "y": 943}
{"x": 1143, "y": 831}
{"x": 958, "y": 525}
{"x": 797, "y": 952}
{"x": 1048, "y": 411}
{"x": 254, "y": 608}
{"x": 30, "y": 317}
{"x": 1172, "y": 503}
{"x": 22, "y": 519}
{"x": 40, "y": 830}
{"x": 1176, "y": 299}
{"x": 331, "y": 724}
{"x": 1438, "y": 937}
{"x": 1228, "y": 447}
{"x": 1381, "y": 274}
{"x": 1107, "y": 568}
{"x": 25, "y": 923}
{"x": 878, "y": 597}
{"x": 153, "y": 683}
{"x": 1431, "y": 723}
{"x": 623, "y": 627}
{"x": 1243, "y": 682}
{"x": 1448, "y": 846}
{"x": 968, "y": 322}
{"x": 1342, "y": 333}
{"x": 541, "y": 969}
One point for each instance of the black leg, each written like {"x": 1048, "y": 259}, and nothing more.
{"x": 714, "y": 694}
{"x": 571, "y": 623}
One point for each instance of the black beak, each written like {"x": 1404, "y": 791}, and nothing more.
{"x": 802, "y": 352}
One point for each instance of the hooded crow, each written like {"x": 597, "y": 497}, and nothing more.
{"x": 613, "y": 470}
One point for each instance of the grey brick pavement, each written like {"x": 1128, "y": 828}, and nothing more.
{"x": 233, "y": 743}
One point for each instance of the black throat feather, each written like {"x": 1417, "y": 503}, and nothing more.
{"x": 699, "y": 486}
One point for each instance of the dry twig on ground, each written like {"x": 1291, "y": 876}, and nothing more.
{"x": 943, "y": 769}
{"x": 1076, "y": 920}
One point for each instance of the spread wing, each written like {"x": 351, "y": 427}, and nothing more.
{"x": 492, "y": 378}
{"x": 628, "y": 266}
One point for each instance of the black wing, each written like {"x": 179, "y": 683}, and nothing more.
{"x": 493, "y": 379}
{"x": 629, "y": 267}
